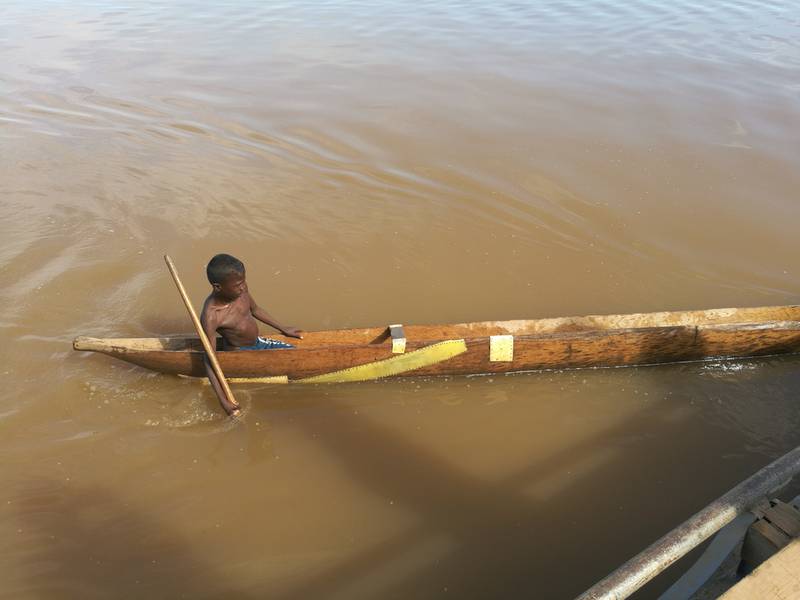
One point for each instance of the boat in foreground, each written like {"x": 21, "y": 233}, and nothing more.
{"x": 483, "y": 347}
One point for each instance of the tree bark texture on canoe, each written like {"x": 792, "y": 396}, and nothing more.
{"x": 563, "y": 343}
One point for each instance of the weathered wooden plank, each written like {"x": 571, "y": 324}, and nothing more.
{"x": 762, "y": 541}
{"x": 776, "y": 579}
{"x": 785, "y": 517}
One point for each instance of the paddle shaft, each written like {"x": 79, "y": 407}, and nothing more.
{"x": 212, "y": 356}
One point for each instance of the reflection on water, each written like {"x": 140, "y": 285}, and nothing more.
{"x": 381, "y": 163}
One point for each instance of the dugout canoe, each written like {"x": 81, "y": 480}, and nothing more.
{"x": 483, "y": 347}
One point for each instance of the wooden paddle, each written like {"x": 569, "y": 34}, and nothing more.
{"x": 212, "y": 355}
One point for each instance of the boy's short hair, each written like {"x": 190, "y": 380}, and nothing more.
{"x": 221, "y": 266}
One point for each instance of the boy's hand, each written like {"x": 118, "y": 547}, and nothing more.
{"x": 293, "y": 332}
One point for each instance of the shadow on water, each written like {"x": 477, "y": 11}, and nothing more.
{"x": 533, "y": 532}
{"x": 537, "y": 531}
{"x": 88, "y": 543}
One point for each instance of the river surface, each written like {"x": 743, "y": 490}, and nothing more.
{"x": 376, "y": 163}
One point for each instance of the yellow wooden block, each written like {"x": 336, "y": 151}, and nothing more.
{"x": 398, "y": 339}
{"x": 501, "y": 348}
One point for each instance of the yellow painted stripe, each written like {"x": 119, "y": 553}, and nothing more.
{"x": 272, "y": 379}
{"x": 416, "y": 359}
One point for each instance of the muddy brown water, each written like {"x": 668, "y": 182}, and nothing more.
{"x": 379, "y": 163}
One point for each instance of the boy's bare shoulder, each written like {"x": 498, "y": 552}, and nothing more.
{"x": 207, "y": 313}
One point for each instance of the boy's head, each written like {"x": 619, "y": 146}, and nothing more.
{"x": 226, "y": 275}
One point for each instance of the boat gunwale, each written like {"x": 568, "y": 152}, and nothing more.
{"x": 108, "y": 345}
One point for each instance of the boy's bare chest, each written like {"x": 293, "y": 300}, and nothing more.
{"x": 232, "y": 316}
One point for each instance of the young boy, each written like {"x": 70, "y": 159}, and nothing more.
{"x": 231, "y": 311}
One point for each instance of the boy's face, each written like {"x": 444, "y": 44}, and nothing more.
{"x": 233, "y": 286}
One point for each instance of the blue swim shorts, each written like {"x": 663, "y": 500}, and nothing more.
{"x": 266, "y": 344}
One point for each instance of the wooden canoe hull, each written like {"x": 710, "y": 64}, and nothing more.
{"x": 577, "y": 342}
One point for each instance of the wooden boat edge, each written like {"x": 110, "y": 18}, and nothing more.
{"x": 531, "y": 351}
{"x": 147, "y": 344}
{"x": 585, "y": 323}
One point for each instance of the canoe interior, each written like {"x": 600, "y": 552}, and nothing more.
{"x": 432, "y": 333}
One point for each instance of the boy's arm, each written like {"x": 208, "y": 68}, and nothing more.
{"x": 260, "y": 314}
{"x": 209, "y": 326}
